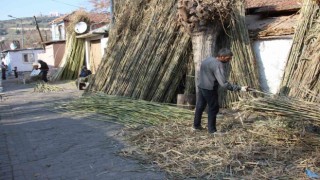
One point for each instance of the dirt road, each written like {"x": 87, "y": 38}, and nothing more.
{"x": 38, "y": 143}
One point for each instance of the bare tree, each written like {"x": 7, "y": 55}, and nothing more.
{"x": 101, "y": 5}
{"x": 203, "y": 20}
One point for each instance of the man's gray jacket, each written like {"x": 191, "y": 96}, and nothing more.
{"x": 212, "y": 75}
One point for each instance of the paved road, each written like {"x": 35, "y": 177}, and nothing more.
{"x": 38, "y": 143}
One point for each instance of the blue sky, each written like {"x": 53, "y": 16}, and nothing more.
{"x": 30, "y": 8}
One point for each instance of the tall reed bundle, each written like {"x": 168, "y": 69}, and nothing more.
{"x": 243, "y": 68}
{"x": 147, "y": 53}
{"x": 303, "y": 67}
{"x": 147, "y": 63}
{"x": 73, "y": 58}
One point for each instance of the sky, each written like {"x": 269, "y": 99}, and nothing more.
{"x": 30, "y": 8}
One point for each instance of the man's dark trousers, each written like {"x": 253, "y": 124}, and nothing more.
{"x": 205, "y": 97}
{"x": 44, "y": 75}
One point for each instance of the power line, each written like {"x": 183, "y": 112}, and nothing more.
{"x": 66, "y": 4}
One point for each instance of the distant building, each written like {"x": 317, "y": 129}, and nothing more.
{"x": 55, "y": 14}
{"x": 96, "y": 38}
{"x": 58, "y": 25}
{"x": 96, "y": 44}
{"x": 54, "y": 53}
{"x": 21, "y": 58}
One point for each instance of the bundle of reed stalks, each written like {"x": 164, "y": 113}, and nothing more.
{"x": 72, "y": 61}
{"x": 292, "y": 109}
{"x": 127, "y": 110}
{"x": 143, "y": 62}
{"x": 302, "y": 70}
{"x": 147, "y": 53}
{"x": 243, "y": 69}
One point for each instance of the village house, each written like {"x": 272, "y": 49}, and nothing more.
{"x": 53, "y": 53}
{"x": 21, "y": 58}
{"x": 95, "y": 36}
{"x": 95, "y": 43}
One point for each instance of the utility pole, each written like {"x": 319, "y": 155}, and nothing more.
{"x": 44, "y": 46}
{"x": 112, "y": 6}
{"x": 22, "y": 46}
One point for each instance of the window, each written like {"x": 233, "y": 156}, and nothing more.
{"x": 28, "y": 57}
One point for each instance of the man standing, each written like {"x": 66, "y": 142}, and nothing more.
{"x": 3, "y": 70}
{"x": 212, "y": 74}
{"x": 44, "y": 70}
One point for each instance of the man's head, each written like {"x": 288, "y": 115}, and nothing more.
{"x": 224, "y": 55}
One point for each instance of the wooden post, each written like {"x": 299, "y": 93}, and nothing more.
{"x": 44, "y": 46}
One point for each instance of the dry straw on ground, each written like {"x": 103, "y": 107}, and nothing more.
{"x": 255, "y": 148}
{"x": 263, "y": 149}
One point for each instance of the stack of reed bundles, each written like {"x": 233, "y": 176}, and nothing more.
{"x": 148, "y": 53}
{"x": 302, "y": 71}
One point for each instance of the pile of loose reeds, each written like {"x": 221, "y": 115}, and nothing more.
{"x": 126, "y": 110}
{"x": 303, "y": 67}
{"x": 45, "y": 87}
{"x": 291, "y": 109}
{"x": 261, "y": 149}
{"x": 254, "y": 148}
{"x": 72, "y": 61}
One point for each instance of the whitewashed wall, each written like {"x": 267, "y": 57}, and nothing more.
{"x": 14, "y": 58}
{"x": 56, "y": 35}
{"x": 272, "y": 57}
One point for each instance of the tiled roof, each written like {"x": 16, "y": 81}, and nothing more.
{"x": 274, "y": 4}
{"x": 59, "y": 19}
{"x": 94, "y": 18}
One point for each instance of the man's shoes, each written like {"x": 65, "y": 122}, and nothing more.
{"x": 200, "y": 128}
{"x": 216, "y": 133}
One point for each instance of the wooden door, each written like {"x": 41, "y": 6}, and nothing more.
{"x": 95, "y": 55}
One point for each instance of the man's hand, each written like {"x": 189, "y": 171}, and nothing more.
{"x": 245, "y": 88}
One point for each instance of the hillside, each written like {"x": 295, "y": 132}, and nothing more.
{"x": 10, "y": 30}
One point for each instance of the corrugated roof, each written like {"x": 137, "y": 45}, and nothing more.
{"x": 96, "y": 32}
{"x": 275, "y": 5}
